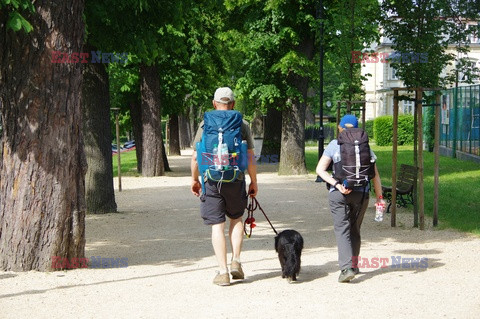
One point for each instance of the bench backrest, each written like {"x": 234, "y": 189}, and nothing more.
{"x": 406, "y": 178}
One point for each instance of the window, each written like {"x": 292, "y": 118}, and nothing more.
{"x": 408, "y": 107}
{"x": 393, "y": 73}
{"x": 470, "y": 63}
{"x": 474, "y": 37}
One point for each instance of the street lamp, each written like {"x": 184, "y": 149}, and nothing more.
{"x": 320, "y": 86}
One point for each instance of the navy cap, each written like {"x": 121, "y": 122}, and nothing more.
{"x": 349, "y": 119}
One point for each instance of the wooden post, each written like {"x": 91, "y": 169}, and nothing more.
{"x": 119, "y": 166}
{"x": 167, "y": 134}
{"x": 393, "y": 217}
{"x": 415, "y": 161}
{"x": 338, "y": 116}
{"x": 420, "y": 159}
{"x": 363, "y": 115}
{"x": 436, "y": 150}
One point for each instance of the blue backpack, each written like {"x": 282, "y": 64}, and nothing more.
{"x": 221, "y": 155}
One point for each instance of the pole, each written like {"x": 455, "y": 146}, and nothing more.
{"x": 420, "y": 159}
{"x": 119, "y": 166}
{"x": 415, "y": 161}
{"x": 436, "y": 157}
{"x": 364, "y": 109}
{"x": 321, "y": 137}
{"x": 393, "y": 212}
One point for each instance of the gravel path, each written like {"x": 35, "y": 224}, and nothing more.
{"x": 171, "y": 263}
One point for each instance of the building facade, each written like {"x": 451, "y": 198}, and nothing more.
{"x": 381, "y": 76}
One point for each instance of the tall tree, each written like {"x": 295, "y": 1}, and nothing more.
{"x": 427, "y": 28}
{"x": 148, "y": 30}
{"x": 42, "y": 202}
{"x": 152, "y": 152}
{"x": 277, "y": 42}
{"x": 99, "y": 194}
{"x": 350, "y": 26}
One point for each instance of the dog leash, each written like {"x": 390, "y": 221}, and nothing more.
{"x": 252, "y": 206}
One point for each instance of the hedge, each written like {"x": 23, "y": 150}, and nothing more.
{"x": 383, "y": 130}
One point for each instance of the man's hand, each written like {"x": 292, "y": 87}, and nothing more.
{"x": 195, "y": 188}
{"x": 343, "y": 190}
{"x": 253, "y": 189}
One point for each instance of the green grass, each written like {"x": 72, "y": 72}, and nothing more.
{"x": 459, "y": 185}
{"x": 128, "y": 163}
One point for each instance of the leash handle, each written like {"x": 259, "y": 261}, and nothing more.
{"x": 252, "y": 206}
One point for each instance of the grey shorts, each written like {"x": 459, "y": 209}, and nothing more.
{"x": 231, "y": 201}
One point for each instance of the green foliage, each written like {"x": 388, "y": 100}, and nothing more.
{"x": 179, "y": 37}
{"x": 383, "y": 130}
{"x": 423, "y": 27}
{"x": 16, "y": 9}
{"x": 349, "y": 26}
{"x": 429, "y": 127}
{"x": 264, "y": 38}
{"x": 369, "y": 128}
{"x": 405, "y": 129}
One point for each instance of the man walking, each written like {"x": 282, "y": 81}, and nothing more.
{"x": 222, "y": 200}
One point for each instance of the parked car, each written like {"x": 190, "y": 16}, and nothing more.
{"x": 129, "y": 145}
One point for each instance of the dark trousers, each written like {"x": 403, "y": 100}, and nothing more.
{"x": 347, "y": 211}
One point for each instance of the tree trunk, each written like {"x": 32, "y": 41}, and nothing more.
{"x": 152, "y": 149}
{"x": 309, "y": 116}
{"x": 174, "y": 141}
{"x": 99, "y": 194}
{"x": 164, "y": 157}
{"x": 193, "y": 120}
{"x": 292, "y": 155}
{"x": 136, "y": 118}
{"x": 42, "y": 198}
{"x": 272, "y": 133}
{"x": 256, "y": 125}
{"x": 184, "y": 131}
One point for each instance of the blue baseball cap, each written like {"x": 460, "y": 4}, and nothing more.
{"x": 349, "y": 119}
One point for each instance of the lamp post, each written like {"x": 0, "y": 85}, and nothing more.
{"x": 117, "y": 129}
{"x": 321, "y": 137}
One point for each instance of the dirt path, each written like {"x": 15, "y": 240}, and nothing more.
{"x": 171, "y": 263}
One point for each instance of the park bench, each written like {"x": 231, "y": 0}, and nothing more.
{"x": 405, "y": 182}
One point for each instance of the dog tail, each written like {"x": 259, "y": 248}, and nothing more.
{"x": 292, "y": 262}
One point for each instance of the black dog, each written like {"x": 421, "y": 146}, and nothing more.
{"x": 289, "y": 245}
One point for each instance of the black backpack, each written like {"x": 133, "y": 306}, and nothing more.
{"x": 357, "y": 166}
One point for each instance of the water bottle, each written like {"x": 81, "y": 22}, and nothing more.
{"x": 336, "y": 157}
{"x": 379, "y": 210}
{"x": 216, "y": 158}
{"x": 224, "y": 156}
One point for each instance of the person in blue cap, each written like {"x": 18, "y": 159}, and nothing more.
{"x": 347, "y": 206}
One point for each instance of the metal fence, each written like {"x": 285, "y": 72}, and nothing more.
{"x": 460, "y": 120}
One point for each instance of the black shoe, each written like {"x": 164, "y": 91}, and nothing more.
{"x": 346, "y": 275}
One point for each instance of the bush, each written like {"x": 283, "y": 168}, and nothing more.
{"x": 369, "y": 128}
{"x": 312, "y": 131}
{"x": 429, "y": 127}
{"x": 383, "y": 130}
{"x": 405, "y": 130}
